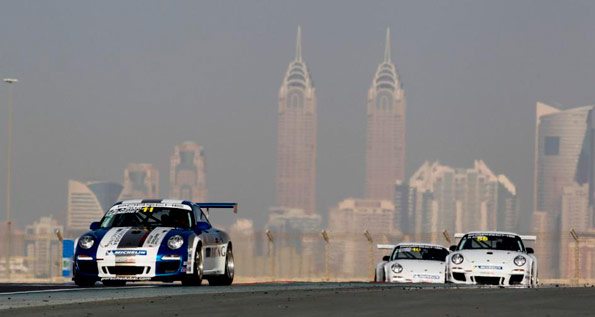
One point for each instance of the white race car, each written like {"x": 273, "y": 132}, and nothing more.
{"x": 412, "y": 263}
{"x": 492, "y": 258}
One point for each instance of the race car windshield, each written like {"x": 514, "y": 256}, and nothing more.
{"x": 419, "y": 253}
{"x": 492, "y": 242}
{"x": 148, "y": 217}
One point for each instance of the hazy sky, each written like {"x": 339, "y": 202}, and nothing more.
{"x": 106, "y": 83}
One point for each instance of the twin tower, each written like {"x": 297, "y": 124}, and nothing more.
{"x": 297, "y": 126}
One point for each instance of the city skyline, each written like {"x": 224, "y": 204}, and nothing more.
{"x": 447, "y": 119}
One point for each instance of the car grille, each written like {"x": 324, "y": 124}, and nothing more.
{"x": 516, "y": 279}
{"x": 459, "y": 276}
{"x": 488, "y": 280}
{"x": 126, "y": 270}
{"x": 168, "y": 267}
{"x": 87, "y": 267}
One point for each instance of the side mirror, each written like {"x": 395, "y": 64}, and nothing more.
{"x": 386, "y": 258}
{"x": 452, "y": 248}
{"x": 202, "y": 225}
{"x": 530, "y": 251}
{"x": 95, "y": 225}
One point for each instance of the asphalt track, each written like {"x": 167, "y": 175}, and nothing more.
{"x": 294, "y": 299}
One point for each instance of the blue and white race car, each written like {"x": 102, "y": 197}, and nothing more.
{"x": 153, "y": 239}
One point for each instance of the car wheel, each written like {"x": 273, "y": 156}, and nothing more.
{"x": 113, "y": 283}
{"x": 83, "y": 281}
{"x": 227, "y": 277}
{"x": 195, "y": 279}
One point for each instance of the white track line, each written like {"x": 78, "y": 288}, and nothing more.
{"x": 75, "y": 289}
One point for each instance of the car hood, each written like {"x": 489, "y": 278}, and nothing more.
{"x": 489, "y": 256}
{"x": 136, "y": 237}
{"x": 420, "y": 266}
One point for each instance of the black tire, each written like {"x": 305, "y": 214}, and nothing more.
{"x": 82, "y": 281}
{"x": 227, "y": 277}
{"x": 195, "y": 279}
{"x": 113, "y": 283}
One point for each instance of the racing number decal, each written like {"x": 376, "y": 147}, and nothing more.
{"x": 416, "y": 249}
{"x": 149, "y": 209}
{"x": 482, "y": 238}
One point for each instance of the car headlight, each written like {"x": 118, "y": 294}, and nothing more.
{"x": 520, "y": 260}
{"x": 457, "y": 258}
{"x": 175, "y": 242}
{"x": 86, "y": 242}
{"x": 397, "y": 268}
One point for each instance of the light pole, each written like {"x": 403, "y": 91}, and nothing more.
{"x": 576, "y": 256}
{"x": 371, "y": 243}
{"x": 446, "y": 236}
{"x": 9, "y": 81}
{"x": 326, "y": 255}
{"x": 271, "y": 255}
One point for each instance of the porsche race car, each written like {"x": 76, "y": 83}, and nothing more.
{"x": 160, "y": 240}
{"x": 492, "y": 258}
{"x": 412, "y": 263}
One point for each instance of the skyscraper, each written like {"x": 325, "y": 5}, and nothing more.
{"x": 87, "y": 202}
{"x": 141, "y": 181}
{"x": 460, "y": 200}
{"x": 574, "y": 215}
{"x": 347, "y": 222}
{"x": 563, "y": 158}
{"x": 385, "y": 148}
{"x": 42, "y": 247}
{"x": 296, "y": 137}
{"x": 187, "y": 175}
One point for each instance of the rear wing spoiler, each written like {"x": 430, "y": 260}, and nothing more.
{"x": 528, "y": 238}
{"x": 525, "y": 238}
{"x": 386, "y": 246}
{"x": 208, "y": 206}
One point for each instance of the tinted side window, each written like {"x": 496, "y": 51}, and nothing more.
{"x": 199, "y": 215}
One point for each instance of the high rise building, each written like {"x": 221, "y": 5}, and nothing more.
{"x": 187, "y": 175}
{"x": 243, "y": 237}
{"x": 563, "y": 157}
{"x": 296, "y": 242}
{"x": 585, "y": 256}
{"x": 141, "y": 181}
{"x": 87, "y": 202}
{"x": 42, "y": 248}
{"x": 296, "y": 137}
{"x": 385, "y": 144}
{"x": 574, "y": 215}
{"x": 347, "y": 223}
{"x": 460, "y": 200}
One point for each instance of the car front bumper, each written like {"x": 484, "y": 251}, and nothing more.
{"x": 500, "y": 277}
{"x": 130, "y": 269}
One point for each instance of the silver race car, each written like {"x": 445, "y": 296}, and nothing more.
{"x": 412, "y": 263}
{"x": 492, "y": 258}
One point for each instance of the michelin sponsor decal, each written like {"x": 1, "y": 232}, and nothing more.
{"x": 488, "y": 267}
{"x": 426, "y": 276}
{"x": 126, "y": 252}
